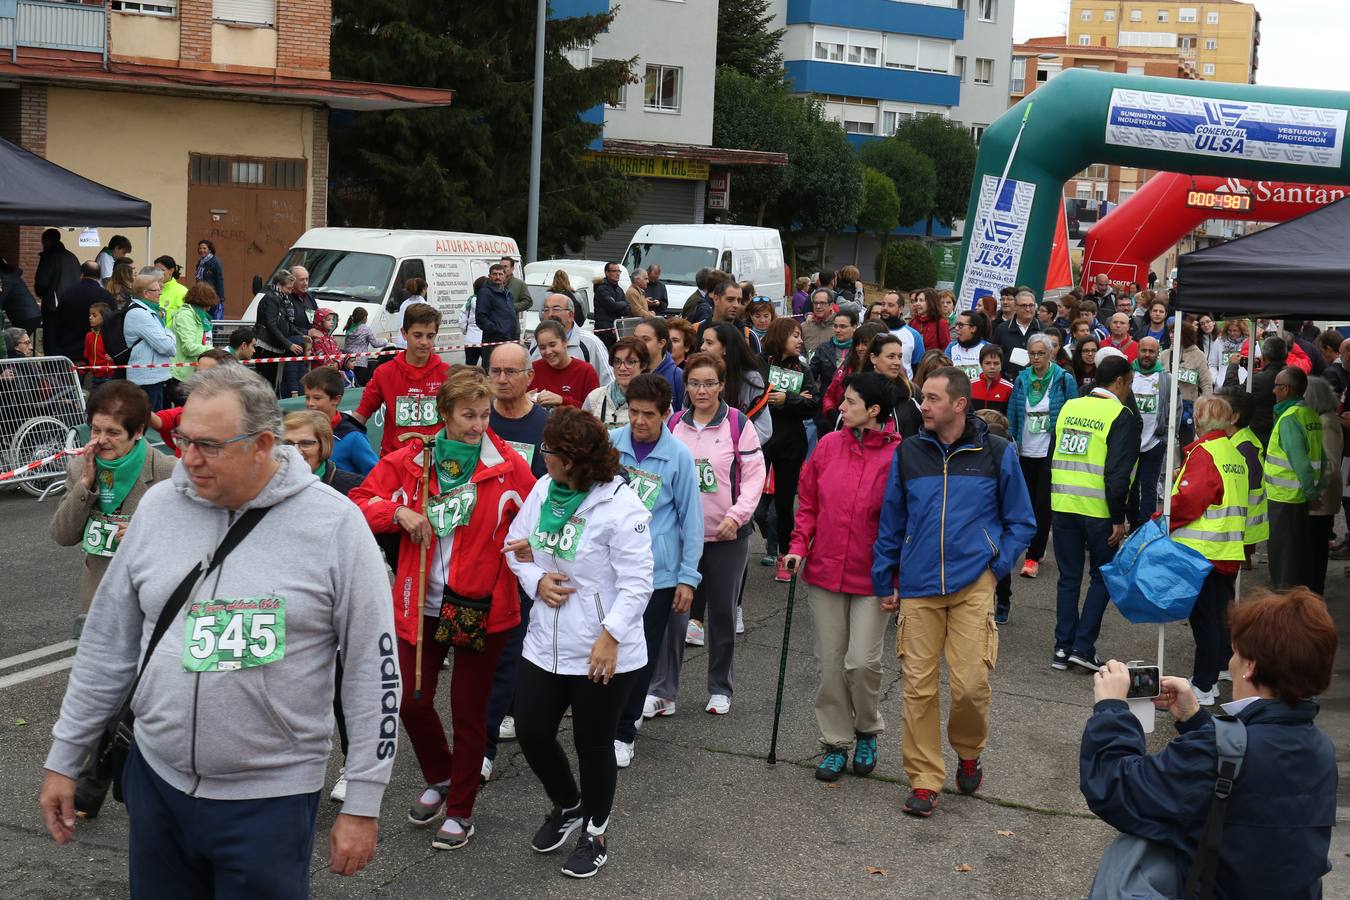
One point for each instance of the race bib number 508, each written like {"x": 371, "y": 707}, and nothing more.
{"x": 228, "y": 635}
{"x": 1073, "y": 442}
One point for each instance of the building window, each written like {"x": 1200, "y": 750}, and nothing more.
{"x": 1134, "y": 70}
{"x": 1042, "y": 75}
{"x": 618, "y": 99}
{"x": 988, "y": 10}
{"x": 1086, "y": 15}
{"x": 829, "y": 44}
{"x": 905, "y": 51}
{"x": 1162, "y": 15}
{"x": 1096, "y": 172}
{"x": 1211, "y": 43}
{"x": 1147, "y": 39}
{"x": 984, "y": 71}
{"x": 1187, "y": 43}
{"x": 1109, "y": 15}
{"x": 1019, "y": 75}
{"x": 288, "y": 174}
{"x": 160, "y": 8}
{"x": 864, "y": 48}
{"x": 1209, "y": 68}
{"x": 977, "y": 133}
{"x": 1212, "y": 18}
{"x": 662, "y": 88}
{"x": 579, "y": 57}
{"x": 1186, "y": 14}
{"x": 960, "y": 69}
{"x": 1085, "y": 40}
{"x": 1136, "y": 15}
{"x": 247, "y": 12}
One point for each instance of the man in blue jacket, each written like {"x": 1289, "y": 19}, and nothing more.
{"x": 955, "y": 518}
{"x": 660, "y": 469}
{"x": 495, "y": 309}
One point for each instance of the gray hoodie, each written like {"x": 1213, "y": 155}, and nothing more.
{"x": 261, "y": 730}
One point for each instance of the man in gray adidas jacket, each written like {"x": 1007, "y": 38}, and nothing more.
{"x": 234, "y": 711}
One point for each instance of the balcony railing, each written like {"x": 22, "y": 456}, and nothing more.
{"x": 53, "y": 26}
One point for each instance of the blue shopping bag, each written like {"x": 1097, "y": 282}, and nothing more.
{"x": 1152, "y": 578}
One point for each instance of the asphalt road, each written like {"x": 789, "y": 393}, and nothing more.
{"x": 699, "y": 814}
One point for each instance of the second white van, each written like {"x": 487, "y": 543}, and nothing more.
{"x": 746, "y": 252}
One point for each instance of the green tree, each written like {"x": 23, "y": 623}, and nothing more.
{"x": 953, "y": 153}
{"x": 879, "y": 210}
{"x": 906, "y": 265}
{"x": 912, "y": 173}
{"x": 466, "y": 166}
{"x": 745, "y": 42}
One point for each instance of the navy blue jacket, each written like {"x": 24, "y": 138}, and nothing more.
{"x": 495, "y": 314}
{"x": 607, "y": 304}
{"x": 1278, "y": 827}
{"x": 950, "y": 513}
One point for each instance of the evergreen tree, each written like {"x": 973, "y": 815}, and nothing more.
{"x": 466, "y": 167}
{"x": 953, "y": 152}
{"x": 745, "y": 42}
{"x": 880, "y": 208}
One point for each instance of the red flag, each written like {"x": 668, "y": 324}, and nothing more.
{"x": 1060, "y": 273}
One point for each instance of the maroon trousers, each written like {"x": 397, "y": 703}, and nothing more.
{"x": 470, "y": 686}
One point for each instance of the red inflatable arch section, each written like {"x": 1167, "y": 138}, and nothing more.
{"x": 1170, "y": 205}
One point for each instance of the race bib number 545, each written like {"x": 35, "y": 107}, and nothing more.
{"x": 228, "y": 635}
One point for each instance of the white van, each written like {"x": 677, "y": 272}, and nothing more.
{"x": 746, "y": 252}
{"x": 582, "y": 274}
{"x": 351, "y": 267}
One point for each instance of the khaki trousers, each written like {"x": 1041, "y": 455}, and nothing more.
{"x": 961, "y": 627}
{"x": 849, "y": 632}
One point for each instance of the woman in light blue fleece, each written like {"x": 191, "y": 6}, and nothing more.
{"x": 661, "y": 470}
{"x": 149, "y": 342}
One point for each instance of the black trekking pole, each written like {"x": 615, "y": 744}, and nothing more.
{"x": 782, "y": 670}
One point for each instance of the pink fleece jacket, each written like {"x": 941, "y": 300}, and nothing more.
{"x": 713, "y": 443}
{"x": 840, "y": 493}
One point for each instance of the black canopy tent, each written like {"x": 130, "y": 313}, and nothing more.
{"x": 1297, "y": 269}
{"x": 34, "y": 191}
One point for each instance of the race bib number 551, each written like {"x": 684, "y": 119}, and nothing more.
{"x": 228, "y": 635}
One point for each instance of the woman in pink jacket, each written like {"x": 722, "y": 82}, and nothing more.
{"x": 841, "y": 491}
{"x": 729, "y": 467}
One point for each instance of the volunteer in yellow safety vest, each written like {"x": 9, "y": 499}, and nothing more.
{"x": 1294, "y": 461}
{"x": 1209, "y": 515}
{"x": 1253, "y": 453}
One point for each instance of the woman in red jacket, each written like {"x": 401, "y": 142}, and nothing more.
{"x": 841, "y": 489}
{"x": 478, "y": 484}
{"x": 926, "y": 318}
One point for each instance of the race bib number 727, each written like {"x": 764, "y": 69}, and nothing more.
{"x": 228, "y": 635}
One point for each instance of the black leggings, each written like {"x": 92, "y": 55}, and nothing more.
{"x": 541, "y": 700}
{"x": 1036, "y": 473}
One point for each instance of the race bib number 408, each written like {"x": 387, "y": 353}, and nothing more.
{"x": 562, "y": 543}
{"x": 228, "y": 635}
{"x": 410, "y": 411}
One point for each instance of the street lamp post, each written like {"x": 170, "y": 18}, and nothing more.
{"x": 536, "y": 136}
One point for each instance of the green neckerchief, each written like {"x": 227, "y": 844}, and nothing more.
{"x": 321, "y": 470}
{"x": 115, "y": 477}
{"x": 558, "y": 507}
{"x": 153, "y": 306}
{"x": 841, "y": 345}
{"x": 204, "y": 317}
{"x": 1036, "y": 387}
{"x": 1157, "y": 367}
{"x": 455, "y": 460}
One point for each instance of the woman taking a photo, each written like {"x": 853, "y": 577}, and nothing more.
{"x": 1227, "y": 344}
{"x": 792, "y": 402}
{"x": 1039, "y": 393}
{"x": 1283, "y": 806}
{"x": 745, "y": 386}
{"x": 453, "y": 532}
{"x": 842, "y": 487}
{"x": 730, "y": 469}
{"x": 629, "y": 359}
{"x": 582, "y": 548}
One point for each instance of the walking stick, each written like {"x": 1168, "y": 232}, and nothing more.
{"x": 782, "y": 670}
{"x": 421, "y": 560}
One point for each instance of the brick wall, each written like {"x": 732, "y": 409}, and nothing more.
{"x": 303, "y": 31}
{"x": 25, "y": 117}
{"x": 318, "y": 170}
{"x": 194, "y": 32}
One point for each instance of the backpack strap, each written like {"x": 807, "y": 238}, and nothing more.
{"x": 1230, "y": 739}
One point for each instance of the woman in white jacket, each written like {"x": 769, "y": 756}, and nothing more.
{"x": 580, "y": 546}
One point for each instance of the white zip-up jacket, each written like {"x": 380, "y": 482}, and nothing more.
{"x": 610, "y": 569}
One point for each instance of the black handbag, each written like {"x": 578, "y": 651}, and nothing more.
{"x": 115, "y": 745}
{"x": 463, "y": 623}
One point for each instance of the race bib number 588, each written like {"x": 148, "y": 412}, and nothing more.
{"x": 413, "y": 411}
{"x": 228, "y": 635}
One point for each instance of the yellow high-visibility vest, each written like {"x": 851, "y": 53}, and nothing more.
{"x": 1219, "y": 532}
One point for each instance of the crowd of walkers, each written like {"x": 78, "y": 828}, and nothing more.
{"x": 564, "y": 519}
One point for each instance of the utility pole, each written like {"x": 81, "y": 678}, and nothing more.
{"x": 536, "y": 136}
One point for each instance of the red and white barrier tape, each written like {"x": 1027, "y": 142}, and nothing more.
{"x": 39, "y": 463}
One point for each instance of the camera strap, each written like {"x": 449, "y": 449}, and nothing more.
{"x": 1230, "y": 738}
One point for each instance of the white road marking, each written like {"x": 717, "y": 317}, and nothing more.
{"x": 10, "y": 662}
{"x": 36, "y": 672}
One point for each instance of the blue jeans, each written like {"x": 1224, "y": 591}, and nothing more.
{"x": 811, "y": 436}
{"x": 185, "y": 846}
{"x": 503, "y": 695}
{"x": 1143, "y": 501}
{"x": 1076, "y": 536}
{"x": 156, "y": 395}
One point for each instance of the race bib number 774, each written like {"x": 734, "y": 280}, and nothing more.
{"x": 228, "y": 635}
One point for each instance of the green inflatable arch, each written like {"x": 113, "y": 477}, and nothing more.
{"x": 1082, "y": 117}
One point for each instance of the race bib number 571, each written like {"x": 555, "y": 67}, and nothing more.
{"x": 228, "y": 635}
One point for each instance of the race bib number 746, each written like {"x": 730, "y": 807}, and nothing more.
{"x": 228, "y": 635}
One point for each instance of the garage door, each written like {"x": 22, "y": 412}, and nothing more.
{"x": 664, "y": 202}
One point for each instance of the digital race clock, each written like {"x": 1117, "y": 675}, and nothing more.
{"x": 1214, "y": 200}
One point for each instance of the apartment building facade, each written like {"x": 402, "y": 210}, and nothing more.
{"x": 1222, "y": 38}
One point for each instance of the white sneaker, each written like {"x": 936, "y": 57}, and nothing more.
{"x": 1205, "y": 698}
{"x": 487, "y": 770}
{"x": 1225, "y": 675}
{"x": 623, "y": 754}
{"x": 718, "y": 704}
{"x": 740, "y": 621}
{"x": 693, "y": 635}
{"x": 507, "y": 730}
{"x": 649, "y": 707}
{"x": 339, "y": 792}
{"x": 660, "y": 707}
